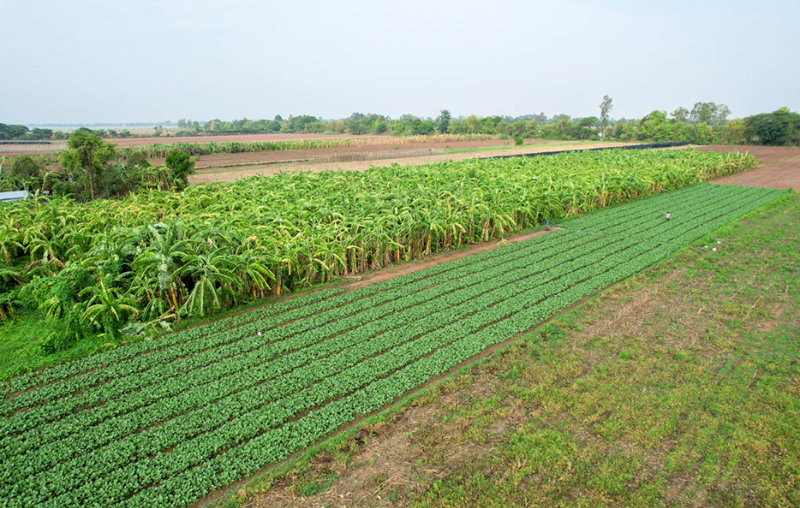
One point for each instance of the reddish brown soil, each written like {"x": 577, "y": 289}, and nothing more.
{"x": 234, "y": 173}
{"x": 779, "y": 169}
{"x": 226, "y": 159}
{"x": 165, "y": 140}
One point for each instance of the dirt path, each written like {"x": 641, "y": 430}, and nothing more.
{"x": 388, "y": 145}
{"x": 779, "y": 169}
{"x": 235, "y": 174}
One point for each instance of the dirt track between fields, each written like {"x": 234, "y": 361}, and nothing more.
{"x": 779, "y": 169}
{"x": 239, "y": 138}
{"x": 381, "y": 145}
{"x": 236, "y": 173}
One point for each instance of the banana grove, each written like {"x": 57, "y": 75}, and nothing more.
{"x": 154, "y": 256}
{"x": 162, "y": 150}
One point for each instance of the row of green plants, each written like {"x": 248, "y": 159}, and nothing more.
{"x": 311, "y": 363}
{"x": 276, "y": 443}
{"x": 153, "y": 258}
{"x": 162, "y": 150}
{"x": 211, "y": 348}
{"x": 254, "y": 401}
{"x": 213, "y": 147}
{"x": 200, "y": 337}
{"x": 127, "y": 379}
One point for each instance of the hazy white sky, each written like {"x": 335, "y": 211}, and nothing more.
{"x": 109, "y": 61}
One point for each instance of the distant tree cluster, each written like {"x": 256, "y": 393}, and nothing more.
{"x": 21, "y": 132}
{"x": 91, "y": 168}
{"x": 706, "y": 122}
{"x": 779, "y": 128}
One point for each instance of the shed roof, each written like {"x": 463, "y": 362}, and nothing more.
{"x": 7, "y": 197}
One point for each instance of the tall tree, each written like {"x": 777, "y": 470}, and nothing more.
{"x": 605, "y": 109}
{"x": 443, "y": 122}
{"x": 181, "y": 165}
{"x": 704, "y": 112}
{"x": 722, "y": 114}
{"x": 681, "y": 115}
{"x": 87, "y": 156}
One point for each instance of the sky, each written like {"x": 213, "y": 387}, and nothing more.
{"x": 103, "y": 61}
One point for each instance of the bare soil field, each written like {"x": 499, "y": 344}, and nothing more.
{"x": 242, "y": 138}
{"x": 228, "y": 159}
{"x": 231, "y": 174}
{"x": 165, "y": 140}
{"x": 779, "y": 169}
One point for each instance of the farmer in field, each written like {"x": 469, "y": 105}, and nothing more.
{"x": 668, "y": 216}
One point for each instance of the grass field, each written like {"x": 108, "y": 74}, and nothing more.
{"x": 677, "y": 387}
{"x": 165, "y": 422}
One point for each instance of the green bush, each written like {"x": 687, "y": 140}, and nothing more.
{"x": 25, "y": 167}
{"x": 518, "y": 140}
{"x": 181, "y": 165}
{"x": 137, "y": 159}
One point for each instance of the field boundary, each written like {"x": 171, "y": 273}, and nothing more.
{"x": 598, "y": 149}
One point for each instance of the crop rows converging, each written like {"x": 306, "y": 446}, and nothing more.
{"x": 165, "y": 422}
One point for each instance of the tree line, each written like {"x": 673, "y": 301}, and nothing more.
{"x": 704, "y": 123}
{"x": 92, "y": 168}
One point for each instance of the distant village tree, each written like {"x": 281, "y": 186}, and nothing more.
{"x": 87, "y": 158}
{"x": 605, "y": 109}
{"x": 443, "y": 122}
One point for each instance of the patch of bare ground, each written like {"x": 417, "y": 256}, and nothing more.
{"x": 231, "y": 174}
{"x": 377, "y": 147}
{"x": 779, "y": 168}
{"x": 240, "y": 138}
{"x": 396, "y": 458}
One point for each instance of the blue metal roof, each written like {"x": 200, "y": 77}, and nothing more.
{"x": 7, "y": 197}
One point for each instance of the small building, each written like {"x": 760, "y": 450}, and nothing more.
{"x": 9, "y": 197}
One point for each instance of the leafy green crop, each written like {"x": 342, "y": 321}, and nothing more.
{"x": 174, "y": 255}
{"x": 162, "y": 423}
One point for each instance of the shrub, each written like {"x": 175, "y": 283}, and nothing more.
{"x": 24, "y": 167}
{"x": 181, "y": 166}
{"x": 137, "y": 159}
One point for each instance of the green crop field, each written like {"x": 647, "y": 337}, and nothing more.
{"x": 157, "y": 257}
{"x": 165, "y": 422}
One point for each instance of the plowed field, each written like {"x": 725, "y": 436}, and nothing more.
{"x": 779, "y": 169}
